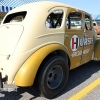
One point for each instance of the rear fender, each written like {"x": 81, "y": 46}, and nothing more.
{"x": 26, "y": 74}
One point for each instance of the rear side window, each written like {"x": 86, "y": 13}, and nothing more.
{"x": 54, "y": 19}
{"x": 15, "y": 17}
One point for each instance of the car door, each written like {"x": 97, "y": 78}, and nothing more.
{"x": 87, "y": 42}
{"x": 54, "y": 32}
{"x": 73, "y": 33}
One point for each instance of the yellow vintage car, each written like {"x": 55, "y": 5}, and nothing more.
{"x": 41, "y": 41}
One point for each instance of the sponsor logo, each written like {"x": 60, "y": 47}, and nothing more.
{"x": 86, "y": 41}
{"x": 74, "y": 43}
{"x": 79, "y": 42}
{"x": 79, "y": 53}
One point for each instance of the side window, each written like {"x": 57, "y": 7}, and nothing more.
{"x": 15, "y": 17}
{"x": 74, "y": 20}
{"x": 87, "y": 22}
{"x": 54, "y": 19}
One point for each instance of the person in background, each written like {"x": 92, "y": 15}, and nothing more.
{"x": 48, "y": 24}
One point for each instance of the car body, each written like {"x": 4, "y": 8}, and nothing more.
{"x": 33, "y": 54}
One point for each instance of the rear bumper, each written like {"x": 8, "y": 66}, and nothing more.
{"x": 4, "y": 79}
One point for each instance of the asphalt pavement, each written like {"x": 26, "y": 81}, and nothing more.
{"x": 79, "y": 78}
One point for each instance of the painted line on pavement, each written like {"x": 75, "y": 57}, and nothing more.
{"x": 86, "y": 90}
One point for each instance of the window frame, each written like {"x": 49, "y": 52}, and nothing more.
{"x": 90, "y": 19}
{"x": 78, "y": 11}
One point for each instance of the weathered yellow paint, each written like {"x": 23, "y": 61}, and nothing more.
{"x": 86, "y": 90}
{"x": 27, "y": 73}
{"x": 97, "y": 49}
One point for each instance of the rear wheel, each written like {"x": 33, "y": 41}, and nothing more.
{"x": 52, "y": 77}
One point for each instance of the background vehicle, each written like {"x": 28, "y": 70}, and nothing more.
{"x": 96, "y": 27}
{"x": 32, "y": 54}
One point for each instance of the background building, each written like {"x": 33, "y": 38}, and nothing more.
{"x": 4, "y": 10}
{"x": 96, "y": 18}
{"x": 15, "y": 3}
{"x": 7, "y": 5}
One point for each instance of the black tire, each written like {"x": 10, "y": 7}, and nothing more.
{"x": 53, "y": 76}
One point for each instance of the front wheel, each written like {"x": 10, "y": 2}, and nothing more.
{"x": 53, "y": 75}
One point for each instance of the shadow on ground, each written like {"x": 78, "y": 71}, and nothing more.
{"x": 76, "y": 77}
{"x": 81, "y": 74}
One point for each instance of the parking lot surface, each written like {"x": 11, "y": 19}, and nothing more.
{"x": 79, "y": 79}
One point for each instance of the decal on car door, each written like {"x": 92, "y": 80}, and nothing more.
{"x": 76, "y": 42}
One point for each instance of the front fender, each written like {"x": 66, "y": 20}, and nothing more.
{"x": 97, "y": 49}
{"x": 26, "y": 74}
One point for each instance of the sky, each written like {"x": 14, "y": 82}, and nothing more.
{"x": 90, "y": 6}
